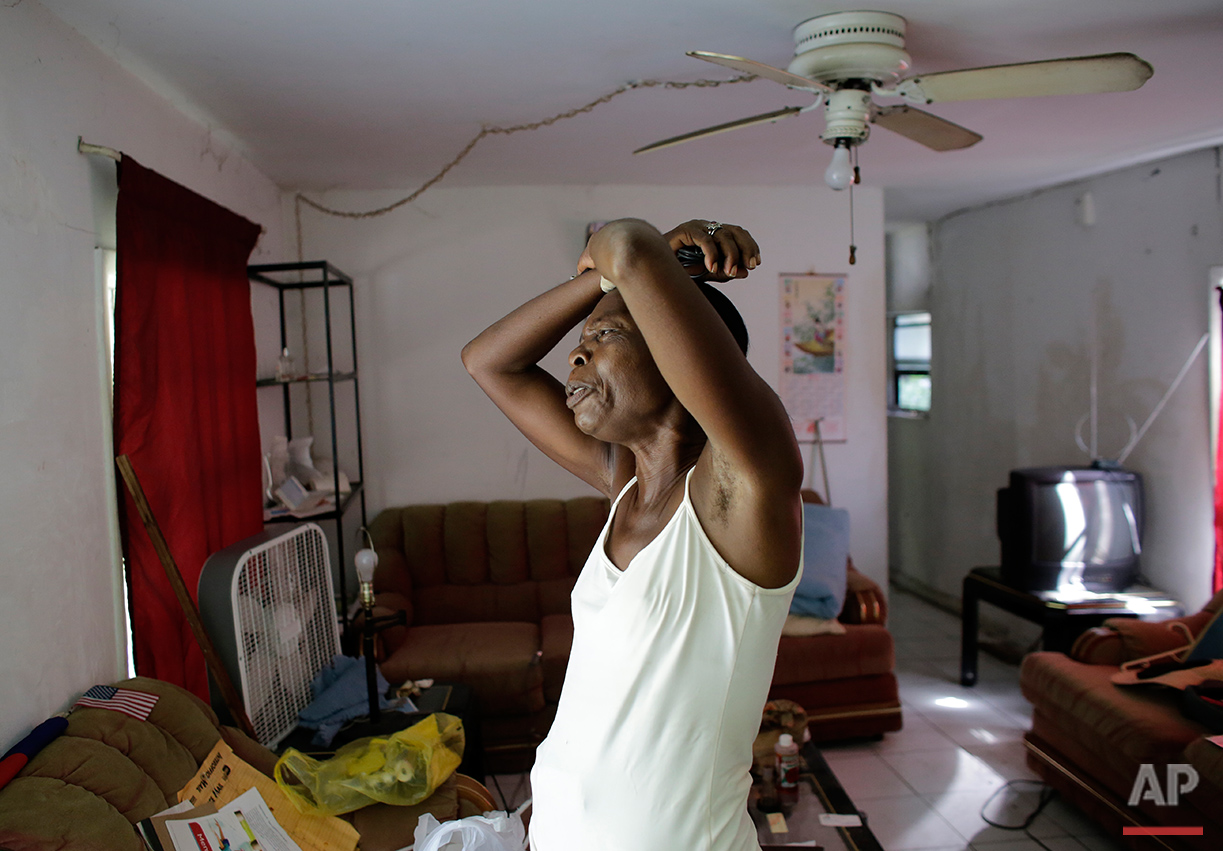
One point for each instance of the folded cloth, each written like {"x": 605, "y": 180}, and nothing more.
{"x": 340, "y": 694}
{"x": 821, "y": 590}
{"x": 802, "y": 626}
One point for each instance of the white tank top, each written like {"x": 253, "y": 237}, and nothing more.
{"x": 670, "y": 668}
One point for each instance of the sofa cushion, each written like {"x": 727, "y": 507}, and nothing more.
{"x": 137, "y": 766}
{"x": 1100, "y": 725}
{"x": 1123, "y": 639}
{"x": 386, "y": 828}
{"x": 107, "y": 770}
{"x": 500, "y": 661}
{"x": 1140, "y": 638}
{"x": 556, "y": 596}
{"x": 864, "y": 650}
{"x": 555, "y": 639}
{"x": 821, "y": 588}
{"x": 497, "y": 561}
{"x": 585, "y": 517}
{"x": 455, "y": 604}
{"x": 821, "y": 699}
{"x": 850, "y": 708}
{"x": 505, "y": 526}
{"x": 82, "y": 819}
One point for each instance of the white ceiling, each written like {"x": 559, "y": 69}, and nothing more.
{"x": 383, "y": 93}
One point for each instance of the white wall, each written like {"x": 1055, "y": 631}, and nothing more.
{"x": 433, "y": 274}
{"x": 59, "y": 610}
{"x": 1018, "y": 288}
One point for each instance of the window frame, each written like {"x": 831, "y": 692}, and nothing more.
{"x": 898, "y": 368}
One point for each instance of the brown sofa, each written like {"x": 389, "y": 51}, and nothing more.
{"x": 108, "y": 771}
{"x": 1090, "y": 737}
{"x": 486, "y": 589}
{"x": 845, "y": 682}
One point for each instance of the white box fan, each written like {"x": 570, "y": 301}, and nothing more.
{"x": 268, "y": 606}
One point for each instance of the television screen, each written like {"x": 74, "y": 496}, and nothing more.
{"x": 1071, "y": 526}
{"x": 1080, "y": 523}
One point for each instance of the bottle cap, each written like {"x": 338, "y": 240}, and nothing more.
{"x": 785, "y": 740}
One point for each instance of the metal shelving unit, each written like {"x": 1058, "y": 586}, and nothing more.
{"x": 320, "y": 275}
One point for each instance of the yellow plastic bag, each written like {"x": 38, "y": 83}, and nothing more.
{"x": 402, "y": 769}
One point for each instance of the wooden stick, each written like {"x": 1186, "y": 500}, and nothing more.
{"x": 819, "y": 442}
{"x": 233, "y": 700}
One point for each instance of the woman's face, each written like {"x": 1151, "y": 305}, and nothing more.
{"x": 615, "y": 390}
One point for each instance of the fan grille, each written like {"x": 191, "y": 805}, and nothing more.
{"x": 285, "y": 626}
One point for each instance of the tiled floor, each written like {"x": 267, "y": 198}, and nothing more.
{"x": 925, "y": 787}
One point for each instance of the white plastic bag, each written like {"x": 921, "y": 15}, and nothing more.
{"x": 493, "y": 831}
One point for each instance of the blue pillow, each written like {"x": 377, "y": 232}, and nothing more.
{"x": 821, "y": 590}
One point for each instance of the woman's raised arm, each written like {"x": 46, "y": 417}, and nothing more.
{"x": 752, "y": 468}
{"x": 504, "y": 360}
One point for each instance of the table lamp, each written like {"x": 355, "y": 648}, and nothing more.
{"x": 366, "y": 560}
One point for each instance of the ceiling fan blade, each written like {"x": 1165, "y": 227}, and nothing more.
{"x": 935, "y": 133}
{"x": 750, "y": 66}
{"x": 722, "y": 128}
{"x": 1108, "y": 72}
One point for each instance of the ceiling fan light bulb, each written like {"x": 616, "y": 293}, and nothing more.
{"x": 839, "y": 173}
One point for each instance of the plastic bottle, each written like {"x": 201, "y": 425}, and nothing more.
{"x": 788, "y": 761}
{"x": 284, "y": 366}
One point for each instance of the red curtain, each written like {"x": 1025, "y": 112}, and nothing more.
{"x": 1217, "y": 580}
{"x": 185, "y": 407}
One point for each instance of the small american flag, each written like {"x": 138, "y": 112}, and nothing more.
{"x": 137, "y": 704}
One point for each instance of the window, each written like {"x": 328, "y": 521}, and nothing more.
{"x": 107, "y": 270}
{"x": 105, "y": 263}
{"x": 910, "y": 362}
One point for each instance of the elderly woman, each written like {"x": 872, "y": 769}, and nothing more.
{"x": 678, "y": 610}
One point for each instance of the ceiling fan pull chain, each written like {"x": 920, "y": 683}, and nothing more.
{"x": 853, "y": 249}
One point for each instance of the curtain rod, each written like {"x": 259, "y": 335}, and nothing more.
{"x": 100, "y": 150}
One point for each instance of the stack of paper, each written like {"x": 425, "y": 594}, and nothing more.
{"x": 229, "y": 806}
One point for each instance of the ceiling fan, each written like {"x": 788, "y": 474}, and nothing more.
{"x": 843, "y": 58}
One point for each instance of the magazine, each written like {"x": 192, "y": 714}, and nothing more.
{"x": 223, "y": 777}
{"x": 152, "y": 830}
{"x": 244, "y": 824}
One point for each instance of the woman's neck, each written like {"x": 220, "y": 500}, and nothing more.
{"x": 662, "y": 465}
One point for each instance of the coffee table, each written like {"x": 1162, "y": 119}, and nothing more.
{"x": 819, "y": 792}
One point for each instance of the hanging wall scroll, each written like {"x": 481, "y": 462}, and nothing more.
{"x": 813, "y": 354}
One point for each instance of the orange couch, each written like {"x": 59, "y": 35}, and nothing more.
{"x": 486, "y": 589}
{"x": 1090, "y": 737}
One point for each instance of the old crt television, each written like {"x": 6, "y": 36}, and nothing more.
{"x": 1063, "y": 527}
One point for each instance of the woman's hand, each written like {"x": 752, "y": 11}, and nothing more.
{"x": 730, "y": 251}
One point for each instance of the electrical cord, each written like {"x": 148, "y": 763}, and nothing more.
{"x": 485, "y": 131}
{"x": 505, "y": 804}
{"x": 1047, "y": 794}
